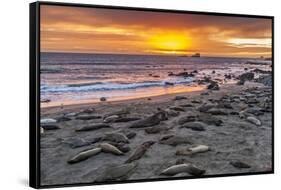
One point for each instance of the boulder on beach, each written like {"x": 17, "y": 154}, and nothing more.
{"x": 103, "y": 99}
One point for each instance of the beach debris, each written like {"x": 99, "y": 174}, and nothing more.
{"x": 174, "y": 140}
{"x": 84, "y": 155}
{"x": 186, "y": 118}
{"x": 108, "y": 148}
{"x": 193, "y": 150}
{"x": 116, "y": 172}
{"x": 116, "y": 137}
{"x": 88, "y": 117}
{"x": 180, "y": 98}
{"x": 195, "y": 126}
{"x": 47, "y": 121}
{"x": 50, "y": 126}
{"x": 254, "y": 120}
{"x": 103, "y": 99}
{"x": 183, "y": 168}
{"x": 139, "y": 151}
{"x": 240, "y": 164}
{"x": 93, "y": 127}
{"x": 76, "y": 142}
{"x": 210, "y": 120}
{"x": 150, "y": 121}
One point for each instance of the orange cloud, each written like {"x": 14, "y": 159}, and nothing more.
{"x": 74, "y": 29}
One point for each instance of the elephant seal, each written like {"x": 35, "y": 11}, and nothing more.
{"x": 183, "y": 168}
{"x": 108, "y": 148}
{"x": 173, "y": 140}
{"x": 116, "y": 137}
{"x": 195, "y": 126}
{"x": 87, "y": 117}
{"x": 254, "y": 120}
{"x": 93, "y": 127}
{"x": 84, "y": 155}
{"x": 140, "y": 151}
{"x": 116, "y": 172}
{"x": 150, "y": 121}
{"x": 194, "y": 150}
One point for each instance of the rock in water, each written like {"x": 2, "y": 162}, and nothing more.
{"x": 239, "y": 164}
{"x": 150, "y": 121}
{"x": 116, "y": 137}
{"x": 254, "y": 121}
{"x": 173, "y": 140}
{"x": 246, "y": 76}
{"x": 117, "y": 172}
{"x": 93, "y": 127}
{"x": 103, "y": 99}
{"x": 183, "y": 168}
{"x": 196, "y": 126}
{"x": 108, "y": 148}
{"x": 88, "y": 117}
{"x": 84, "y": 155}
{"x": 194, "y": 150}
{"x": 140, "y": 151}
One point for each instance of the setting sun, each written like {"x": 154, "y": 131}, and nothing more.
{"x": 170, "y": 43}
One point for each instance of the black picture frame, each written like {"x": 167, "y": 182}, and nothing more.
{"x": 34, "y": 93}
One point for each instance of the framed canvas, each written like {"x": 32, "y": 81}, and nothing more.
{"x": 120, "y": 94}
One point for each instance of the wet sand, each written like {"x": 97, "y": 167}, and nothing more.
{"x": 235, "y": 140}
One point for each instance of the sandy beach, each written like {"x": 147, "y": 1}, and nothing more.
{"x": 234, "y": 125}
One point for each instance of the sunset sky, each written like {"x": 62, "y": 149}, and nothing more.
{"x": 92, "y": 30}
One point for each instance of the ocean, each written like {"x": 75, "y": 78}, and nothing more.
{"x": 74, "y": 78}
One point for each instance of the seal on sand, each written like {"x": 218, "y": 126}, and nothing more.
{"x": 150, "y": 121}
{"x": 194, "y": 150}
{"x": 140, "y": 151}
{"x": 183, "y": 168}
{"x": 108, "y": 148}
{"x": 84, "y": 155}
